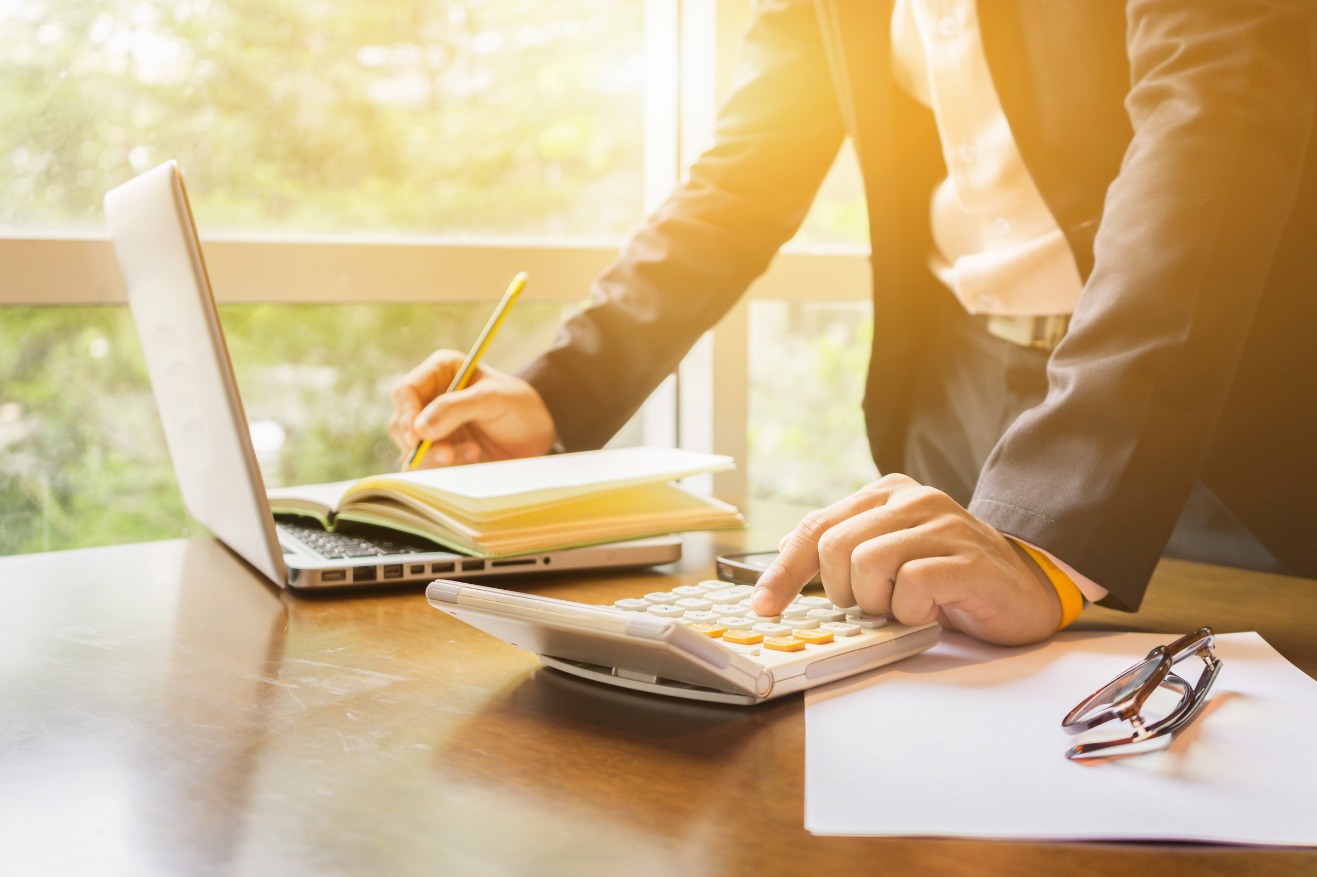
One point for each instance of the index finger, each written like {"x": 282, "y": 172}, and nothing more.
{"x": 426, "y": 381}
{"x": 798, "y": 554}
{"x": 797, "y": 561}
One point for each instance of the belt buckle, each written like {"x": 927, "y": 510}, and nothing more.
{"x": 1041, "y": 333}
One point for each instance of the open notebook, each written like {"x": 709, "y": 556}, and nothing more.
{"x": 536, "y": 504}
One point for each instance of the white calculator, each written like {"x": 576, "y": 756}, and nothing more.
{"x": 697, "y": 641}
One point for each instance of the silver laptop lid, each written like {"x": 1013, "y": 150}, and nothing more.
{"x": 205, "y": 426}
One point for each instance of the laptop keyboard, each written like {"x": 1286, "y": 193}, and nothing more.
{"x": 343, "y": 544}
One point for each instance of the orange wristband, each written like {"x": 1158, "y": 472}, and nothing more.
{"x": 1072, "y": 601}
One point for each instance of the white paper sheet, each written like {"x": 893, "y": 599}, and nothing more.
{"x": 965, "y": 740}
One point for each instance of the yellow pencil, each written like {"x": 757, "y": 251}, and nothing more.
{"x": 463, "y": 376}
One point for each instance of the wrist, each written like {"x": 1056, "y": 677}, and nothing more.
{"x": 1067, "y": 592}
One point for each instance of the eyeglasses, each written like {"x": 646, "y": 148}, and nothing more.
{"x": 1123, "y": 698}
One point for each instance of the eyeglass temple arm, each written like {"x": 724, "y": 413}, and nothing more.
{"x": 1204, "y": 685}
{"x": 1186, "y": 645}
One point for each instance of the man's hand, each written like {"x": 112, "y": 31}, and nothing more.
{"x": 897, "y": 547}
{"x": 496, "y": 417}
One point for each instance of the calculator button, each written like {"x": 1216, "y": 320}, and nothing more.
{"x": 632, "y": 604}
{"x": 713, "y": 630}
{"x": 814, "y": 637}
{"x": 743, "y": 637}
{"x": 783, "y": 643}
{"x": 727, "y": 608}
{"x": 664, "y": 597}
{"x": 797, "y": 612}
{"x": 724, "y": 595}
{"x": 801, "y": 623}
{"x": 840, "y": 628}
{"x": 666, "y": 611}
{"x": 736, "y": 622}
{"x": 708, "y": 586}
{"x": 702, "y": 617}
{"x": 694, "y": 604}
{"x": 689, "y": 591}
{"x": 868, "y": 622}
{"x": 828, "y": 614}
{"x": 769, "y": 629}
{"x": 815, "y": 602}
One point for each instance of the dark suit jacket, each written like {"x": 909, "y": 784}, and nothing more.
{"x": 1172, "y": 141}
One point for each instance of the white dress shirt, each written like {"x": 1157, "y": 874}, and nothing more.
{"x": 999, "y": 248}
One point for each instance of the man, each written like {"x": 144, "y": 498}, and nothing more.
{"x": 1139, "y": 180}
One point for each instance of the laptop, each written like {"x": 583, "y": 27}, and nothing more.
{"x": 209, "y": 441}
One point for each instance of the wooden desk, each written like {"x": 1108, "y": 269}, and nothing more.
{"x": 164, "y": 711}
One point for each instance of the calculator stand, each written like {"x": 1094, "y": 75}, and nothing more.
{"x": 653, "y": 684}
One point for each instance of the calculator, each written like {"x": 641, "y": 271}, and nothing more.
{"x": 699, "y": 641}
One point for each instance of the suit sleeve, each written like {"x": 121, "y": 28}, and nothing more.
{"x": 776, "y": 137}
{"x": 1221, "y": 105}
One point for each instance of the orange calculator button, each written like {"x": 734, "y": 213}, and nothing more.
{"x": 813, "y": 636}
{"x": 714, "y": 630}
{"x": 784, "y": 643}
{"x": 742, "y": 637}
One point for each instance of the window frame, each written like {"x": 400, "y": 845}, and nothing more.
{"x": 703, "y": 407}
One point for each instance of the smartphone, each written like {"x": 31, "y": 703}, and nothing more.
{"x": 746, "y": 568}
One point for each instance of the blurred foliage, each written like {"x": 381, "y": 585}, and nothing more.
{"x": 328, "y": 115}
{"x": 80, "y": 446}
{"x": 806, "y": 427}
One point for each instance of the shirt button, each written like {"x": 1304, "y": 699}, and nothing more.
{"x": 967, "y": 152}
{"x": 1002, "y": 226}
{"x": 948, "y": 26}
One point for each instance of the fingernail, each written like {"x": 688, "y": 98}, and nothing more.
{"x": 760, "y": 601}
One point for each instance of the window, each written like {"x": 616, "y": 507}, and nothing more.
{"x": 806, "y": 442}
{"x": 327, "y": 120}
{"x": 370, "y": 175}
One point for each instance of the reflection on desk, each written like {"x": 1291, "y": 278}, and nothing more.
{"x": 166, "y": 708}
